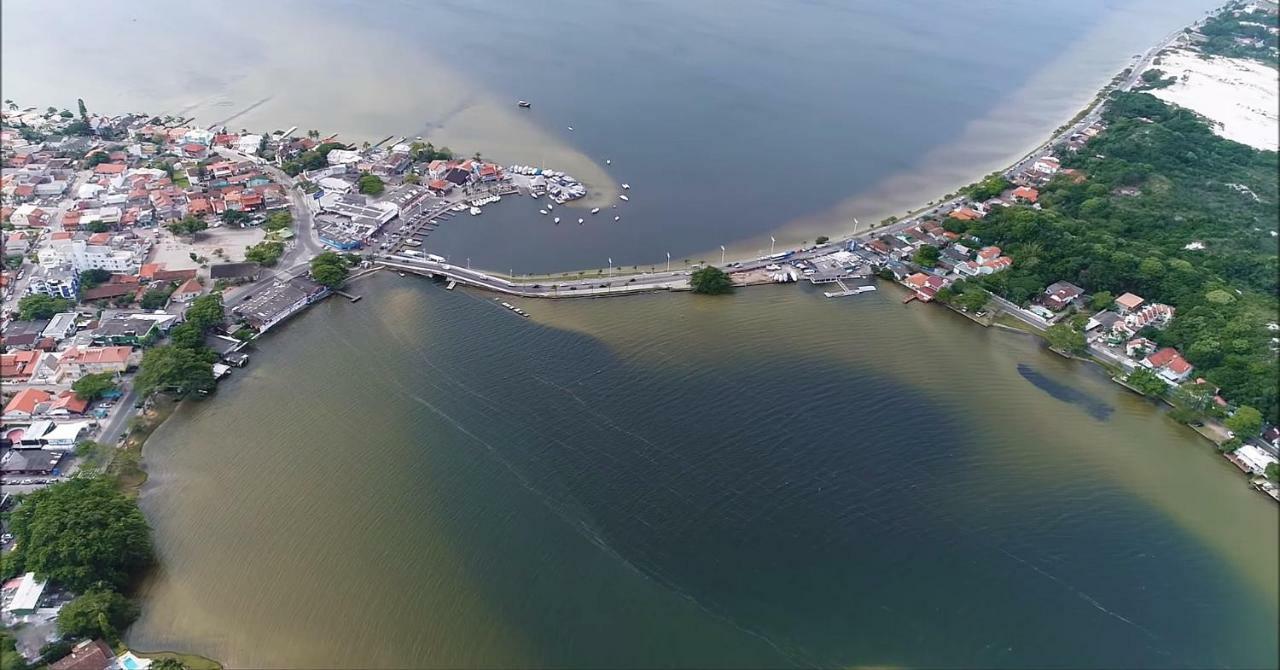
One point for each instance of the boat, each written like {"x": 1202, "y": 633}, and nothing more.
{"x": 570, "y": 128}
{"x": 475, "y": 211}
{"x": 596, "y": 210}
{"x": 617, "y": 218}
{"x": 624, "y": 196}
{"x": 550, "y": 206}
{"x": 400, "y": 273}
{"x": 542, "y": 211}
{"x": 557, "y": 220}
{"x": 626, "y": 186}
{"x": 608, "y": 162}
{"x": 524, "y": 104}
{"x": 579, "y": 222}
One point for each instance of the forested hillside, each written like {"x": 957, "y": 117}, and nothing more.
{"x": 1146, "y": 191}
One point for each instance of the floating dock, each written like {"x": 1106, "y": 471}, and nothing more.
{"x": 845, "y": 290}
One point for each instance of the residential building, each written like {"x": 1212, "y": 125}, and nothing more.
{"x": 77, "y": 362}
{"x": 60, "y": 282}
{"x": 61, "y": 326}
{"x": 234, "y": 272}
{"x": 1128, "y": 303}
{"x": 29, "y": 462}
{"x": 1061, "y": 295}
{"x": 88, "y": 655}
{"x": 1169, "y": 364}
{"x": 22, "y": 595}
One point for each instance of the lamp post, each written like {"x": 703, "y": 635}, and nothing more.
{"x": 772, "y": 241}
{"x": 722, "y": 254}
{"x": 668, "y": 261}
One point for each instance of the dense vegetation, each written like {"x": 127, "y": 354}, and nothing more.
{"x": 1222, "y": 30}
{"x": 265, "y": 253}
{"x": 710, "y": 280}
{"x": 188, "y": 225}
{"x": 1155, "y": 181}
{"x": 41, "y": 306}
{"x": 330, "y": 269}
{"x": 313, "y": 159}
{"x": 185, "y": 364}
{"x": 80, "y": 534}
{"x": 371, "y": 184}
{"x": 94, "y": 386}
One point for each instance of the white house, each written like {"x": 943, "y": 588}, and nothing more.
{"x": 83, "y": 256}
{"x": 343, "y": 157}
{"x": 249, "y": 144}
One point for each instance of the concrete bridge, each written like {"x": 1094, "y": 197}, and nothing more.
{"x": 608, "y": 285}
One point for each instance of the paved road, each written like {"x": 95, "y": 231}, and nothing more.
{"x": 118, "y": 420}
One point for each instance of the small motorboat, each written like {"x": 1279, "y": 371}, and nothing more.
{"x": 524, "y": 104}
{"x": 624, "y": 196}
{"x": 580, "y": 222}
{"x": 570, "y": 128}
{"x": 550, "y": 206}
{"x": 542, "y": 211}
{"x": 617, "y": 218}
{"x": 596, "y": 210}
{"x": 608, "y": 162}
{"x": 626, "y": 186}
{"x": 475, "y": 211}
{"x": 557, "y": 220}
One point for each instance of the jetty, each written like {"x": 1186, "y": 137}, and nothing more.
{"x": 845, "y": 290}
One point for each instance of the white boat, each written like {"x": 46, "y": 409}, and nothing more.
{"x": 550, "y": 206}
{"x": 626, "y": 186}
{"x": 557, "y": 220}
{"x": 460, "y": 207}
{"x": 624, "y": 196}
{"x": 542, "y": 211}
{"x": 475, "y": 211}
{"x": 596, "y": 210}
{"x": 579, "y": 222}
{"x": 570, "y": 128}
{"x": 608, "y": 162}
{"x": 617, "y": 218}
{"x": 524, "y": 104}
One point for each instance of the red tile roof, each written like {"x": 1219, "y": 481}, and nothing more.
{"x": 109, "y": 168}
{"x": 26, "y": 400}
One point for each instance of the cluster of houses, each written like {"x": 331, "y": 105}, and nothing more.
{"x": 956, "y": 260}
{"x": 26, "y": 600}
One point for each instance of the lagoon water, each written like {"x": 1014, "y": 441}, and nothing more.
{"x": 423, "y": 479}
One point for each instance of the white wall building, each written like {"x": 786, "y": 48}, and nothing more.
{"x": 82, "y": 256}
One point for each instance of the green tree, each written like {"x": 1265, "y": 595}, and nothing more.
{"x": 1101, "y": 300}
{"x": 94, "y": 386}
{"x": 370, "y": 184}
{"x": 330, "y": 269}
{"x": 97, "y": 613}
{"x": 92, "y": 278}
{"x": 1146, "y": 382}
{"x": 235, "y": 217}
{"x": 176, "y": 370}
{"x": 926, "y": 256}
{"x": 84, "y": 111}
{"x": 41, "y": 306}
{"x": 156, "y": 297}
{"x": 265, "y": 253}
{"x": 186, "y": 336}
{"x": 822, "y": 239}
{"x": 10, "y": 659}
{"x": 973, "y": 299}
{"x": 167, "y": 664}
{"x": 82, "y": 532}
{"x": 1063, "y": 337}
{"x": 988, "y": 188}
{"x": 412, "y": 178}
{"x": 54, "y": 651}
{"x": 1246, "y": 421}
{"x": 206, "y": 312}
{"x": 278, "y": 221}
{"x": 710, "y": 280}
{"x": 1272, "y": 472}
{"x": 188, "y": 226}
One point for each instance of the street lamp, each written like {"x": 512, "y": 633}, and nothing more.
{"x": 772, "y": 241}
{"x": 668, "y": 261}
{"x": 722, "y": 254}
